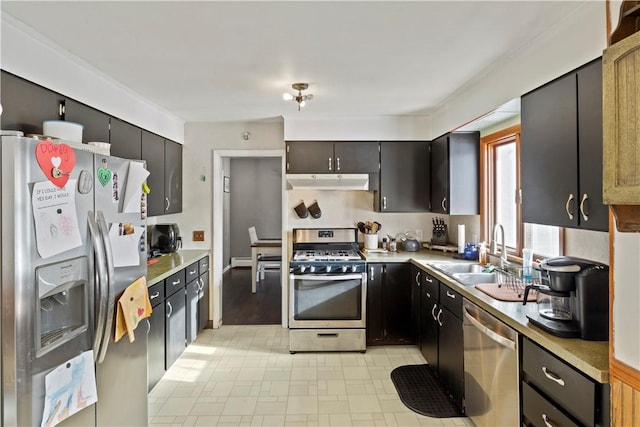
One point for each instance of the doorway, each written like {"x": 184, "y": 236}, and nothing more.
{"x": 237, "y": 201}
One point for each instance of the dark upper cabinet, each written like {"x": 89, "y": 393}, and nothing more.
{"x": 404, "y": 177}
{"x": 455, "y": 174}
{"x": 164, "y": 163}
{"x": 126, "y": 140}
{"x": 389, "y": 304}
{"x": 153, "y": 155}
{"x": 26, "y": 105}
{"x": 561, "y": 177}
{"x": 95, "y": 122}
{"x": 332, "y": 157}
{"x": 172, "y": 177}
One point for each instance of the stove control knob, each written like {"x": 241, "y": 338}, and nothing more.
{"x": 344, "y": 268}
{"x": 312, "y": 269}
{"x": 302, "y": 268}
{"x": 354, "y": 268}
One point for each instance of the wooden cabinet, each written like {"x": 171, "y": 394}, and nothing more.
{"x": 155, "y": 339}
{"x": 203, "y": 293}
{"x": 175, "y": 327}
{"x": 95, "y": 122}
{"x": 429, "y": 329}
{"x": 416, "y": 303}
{"x": 556, "y": 393}
{"x": 451, "y": 343}
{"x": 172, "y": 177}
{"x": 332, "y": 157}
{"x": 442, "y": 343}
{"x": 621, "y": 121}
{"x": 404, "y": 177}
{"x": 561, "y": 149}
{"x": 164, "y": 163}
{"x": 455, "y": 174}
{"x": 125, "y": 139}
{"x": 389, "y": 304}
{"x": 26, "y": 105}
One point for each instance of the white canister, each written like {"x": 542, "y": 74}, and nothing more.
{"x": 371, "y": 241}
{"x": 67, "y": 131}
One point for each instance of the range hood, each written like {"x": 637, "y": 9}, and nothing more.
{"x": 328, "y": 181}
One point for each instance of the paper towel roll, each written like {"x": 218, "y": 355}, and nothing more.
{"x": 460, "y": 238}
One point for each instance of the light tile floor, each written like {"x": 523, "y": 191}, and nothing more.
{"x": 245, "y": 376}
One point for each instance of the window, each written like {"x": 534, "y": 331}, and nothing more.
{"x": 500, "y": 198}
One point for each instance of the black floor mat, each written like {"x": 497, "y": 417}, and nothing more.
{"x": 420, "y": 390}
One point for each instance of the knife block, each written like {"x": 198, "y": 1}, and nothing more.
{"x": 440, "y": 235}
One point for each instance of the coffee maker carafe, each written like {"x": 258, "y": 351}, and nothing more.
{"x": 572, "y": 298}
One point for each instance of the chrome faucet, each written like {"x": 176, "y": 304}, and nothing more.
{"x": 493, "y": 248}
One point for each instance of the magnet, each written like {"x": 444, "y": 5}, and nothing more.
{"x": 104, "y": 173}
{"x": 85, "y": 182}
{"x": 56, "y": 161}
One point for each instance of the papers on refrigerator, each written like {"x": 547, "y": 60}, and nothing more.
{"x": 69, "y": 388}
{"x": 125, "y": 243}
{"x": 56, "y": 219}
{"x": 133, "y": 191}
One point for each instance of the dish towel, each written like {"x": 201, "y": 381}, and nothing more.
{"x": 133, "y": 306}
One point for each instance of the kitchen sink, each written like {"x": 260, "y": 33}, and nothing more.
{"x": 458, "y": 267}
{"x": 472, "y": 279}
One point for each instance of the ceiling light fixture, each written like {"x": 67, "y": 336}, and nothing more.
{"x": 299, "y": 98}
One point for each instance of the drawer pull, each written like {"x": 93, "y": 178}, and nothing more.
{"x": 154, "y": 296}
{"x": 428, "y": 279}
{"x": 552, "y": 376}
{"x": 328, "y": 335}
{"x": 176, "y": 282}
{"x": 548, "y": 422}
{"x": 450, "y": 295}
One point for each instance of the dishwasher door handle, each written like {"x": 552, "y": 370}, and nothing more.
{"x": 503, "y": 341}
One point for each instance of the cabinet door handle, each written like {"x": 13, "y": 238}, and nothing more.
{"x": 170, "y": 309}
{"x": 330, "y": 163}
{"x": 154, "y": 296}
{"x": 552, "y": 376}
{"x": 444, "y": 204}
{"x": 433, "y": 311}
{"x": 450, "y": 295}
{"x": 438, "y": 319}
{"x": 287, "y": 166}
{"x": 167, "y": 203}
{"x": 384, "y": 202}
{"x": 548, "y": 422}
{"x": 148, "y": 326}
{"x": 428, "y": 294}
{"x": 371, "y": 273}
{"x": 418, "y": 278}
{"x": 568, "y": 204}
{"x": 337, "y": 163}
{"x": 585, "y": 215}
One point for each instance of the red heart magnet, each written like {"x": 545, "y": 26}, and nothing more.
{"x": 56, "y": 161}
{"x": 140, "y": 311}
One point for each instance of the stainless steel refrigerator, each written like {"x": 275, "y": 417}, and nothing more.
{"x": 65, "y": 263}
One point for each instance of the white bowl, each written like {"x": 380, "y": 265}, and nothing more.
{"x": 68, "y": 131}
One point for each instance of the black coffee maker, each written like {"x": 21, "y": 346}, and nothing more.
{"x": 572, "y": 298}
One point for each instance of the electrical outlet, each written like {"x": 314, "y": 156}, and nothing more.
{"x": 198, "y": 236}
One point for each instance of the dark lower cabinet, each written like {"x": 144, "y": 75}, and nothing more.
{"x": 191, "y": 322}
{"x": 155, "y": 340}
{"x": 203, "y": 300}
{"x": 416, "y": 303}
{"x": 555, "y": 393}
{"x": 441, "y": 340}
{"x": 175, "y": 327}
{"x": 389, "y": 304}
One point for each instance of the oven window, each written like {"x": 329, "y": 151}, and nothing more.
{"x": 330, "y": 299}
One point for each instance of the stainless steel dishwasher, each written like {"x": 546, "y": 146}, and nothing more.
{"x": 490, "y": 369}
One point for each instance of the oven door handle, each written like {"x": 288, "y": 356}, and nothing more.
{"x": 325, "y": 277}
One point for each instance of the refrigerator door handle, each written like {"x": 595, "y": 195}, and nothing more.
{"x": 104, "y": 232}
{"x": 101, "y": 282}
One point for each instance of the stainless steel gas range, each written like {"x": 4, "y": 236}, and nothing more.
{"x": 327, "y": 291}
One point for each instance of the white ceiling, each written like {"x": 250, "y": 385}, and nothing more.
{"x": 221, "y": 61}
